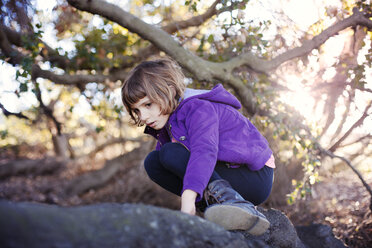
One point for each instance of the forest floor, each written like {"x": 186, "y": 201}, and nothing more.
{"x": 342, "y": 202}
{"x": 338, "y": 200}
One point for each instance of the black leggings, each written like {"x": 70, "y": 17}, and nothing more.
{"x": 167, "y": 168}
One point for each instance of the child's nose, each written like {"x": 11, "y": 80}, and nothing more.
{"x": 144, "y": 116}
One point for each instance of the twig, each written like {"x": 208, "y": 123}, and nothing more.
{"x": 7, "y": 113}
{"x": 356, "y": 124}
{"x": 332, "y": 155}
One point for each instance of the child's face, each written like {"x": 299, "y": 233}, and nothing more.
{"x": 150, "y": 114}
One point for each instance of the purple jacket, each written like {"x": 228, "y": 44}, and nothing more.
{"x": 210, "y": 126}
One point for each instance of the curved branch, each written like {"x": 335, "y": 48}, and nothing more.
{"x": 332, "y": 155}
{"x": 193, "y": 21}
{"x": 78, "y": 80}
{"x": 50, "y": 55}
{"x": 110, "y": 143}
{"x": 176, "y": 26}
{"x": 99, "y": 177}
{"x": 47, "y": 111}
{"x": 368, "y": 136}
{"x": 356, "y": 124}
{"x": 12, "y": 56}
{"x": 45, "y": 165}
{"x": 7, "y": 113}
{"x": 261, "y": 65}
{"x": 344, "y": 116}
{"x": 158, "y": 37}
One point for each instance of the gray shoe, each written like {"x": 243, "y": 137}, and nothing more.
{"x": 231, "y": 211}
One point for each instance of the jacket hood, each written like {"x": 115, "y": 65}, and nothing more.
{"x": 218, "y": 94}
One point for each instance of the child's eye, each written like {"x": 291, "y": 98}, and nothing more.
{"x": 148, "y": 104}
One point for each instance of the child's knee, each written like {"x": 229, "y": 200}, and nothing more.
{"x": 151, "y": 160}
{"x": 172, "y": 154}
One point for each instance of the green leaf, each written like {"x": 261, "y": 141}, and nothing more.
{"x": 4, "y": 134}
{"x": 210, "y": 38}
{"x": 17, "y": 74}
{"x": 99, "y": 129}
{"x": 23, "y": 87}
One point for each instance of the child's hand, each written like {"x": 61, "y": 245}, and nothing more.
{"x": 188, "y": 202}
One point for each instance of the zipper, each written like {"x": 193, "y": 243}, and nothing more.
{"x": 171, "y": 137}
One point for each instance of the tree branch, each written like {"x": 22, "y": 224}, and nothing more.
{"x": 50, "y": 55}
{"x": 47, "y": 111}
{"x": 193, "y": 21}
{"x": 7, "y": 113}
{"x": 261, "y": 65}
{"x": 78, "y": 80}
{"x": 158, "y": 37}
{"x": 368, "y": 136}
{"x": 332, "y": 155}
{"x": 98, "y": 178}
{"x": 110, "y": 143}
{"x": 13, "y": 56}
{"x": 345, "y": 115}
{"x": 356, "y": 124}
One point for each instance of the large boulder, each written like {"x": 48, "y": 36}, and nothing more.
{"x": 129, "y": 225}
{"x": 109, "y": 225}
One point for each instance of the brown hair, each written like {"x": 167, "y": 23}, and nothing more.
{"x": 156, "y": 79}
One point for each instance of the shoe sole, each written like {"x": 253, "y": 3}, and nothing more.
{"x": 235, "y": 218}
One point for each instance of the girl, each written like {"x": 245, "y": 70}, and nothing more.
{"x": 207, "y": 151}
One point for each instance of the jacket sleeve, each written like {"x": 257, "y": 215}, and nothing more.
{"x": 202, "y": 127}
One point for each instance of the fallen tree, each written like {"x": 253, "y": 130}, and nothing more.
{"x": 97, "y": 178}
{"x": 30, "y": 166}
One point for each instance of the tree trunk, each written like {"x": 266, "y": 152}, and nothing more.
{"x": 61, "y": 146}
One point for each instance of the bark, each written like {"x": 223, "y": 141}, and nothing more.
{"x": 61, "y": 146}
{"x": 95, "y": 179}
{"x": 12, "y": 55}
{"x": 28, "y": 166}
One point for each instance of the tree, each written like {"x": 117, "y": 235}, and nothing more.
{"x": 236, "y": 53}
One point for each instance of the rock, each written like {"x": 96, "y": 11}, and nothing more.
{"x": 109, "y": 225}
{"x": 318, "y": 236}
{"x": 136, "y": 225}
{"x": 281, "y": 234}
